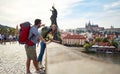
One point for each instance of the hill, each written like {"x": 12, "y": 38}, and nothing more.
{"x": 7, "y": 29}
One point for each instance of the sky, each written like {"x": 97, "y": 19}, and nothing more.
{"x": 71, "y": 13}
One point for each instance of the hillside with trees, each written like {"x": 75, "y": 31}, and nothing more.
{"x": 6, "y": 29}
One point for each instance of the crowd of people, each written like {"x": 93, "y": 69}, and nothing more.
{"x": 4, "y": 38}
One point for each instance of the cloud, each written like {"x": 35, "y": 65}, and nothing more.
{"x": 17, "y": 11}
{"x": 71, "y": 13}
{"x": 112, "y": 6}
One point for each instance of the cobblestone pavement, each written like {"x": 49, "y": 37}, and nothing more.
{"x": 60, "y": 60}
{"x": 13, "y": 58}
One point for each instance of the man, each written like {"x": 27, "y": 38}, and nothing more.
{"x": 34, "y": 37}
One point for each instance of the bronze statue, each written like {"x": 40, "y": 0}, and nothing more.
{"x": 47, "y": 30}
{"x": 53, "y": 17}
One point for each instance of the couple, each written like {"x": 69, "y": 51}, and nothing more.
{"x": 31, "y": 50}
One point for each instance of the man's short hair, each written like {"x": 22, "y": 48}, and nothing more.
{"x": 37, "y": 21}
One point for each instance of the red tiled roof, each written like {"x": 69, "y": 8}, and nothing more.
{"x": 110, "y": 36}
{"x": 74, "y": 37}
{"x": 104, "y": 44}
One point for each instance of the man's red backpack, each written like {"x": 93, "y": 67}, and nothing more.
{"x": 24, "y": 32}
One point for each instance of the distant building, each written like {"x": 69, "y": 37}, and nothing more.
{"x": 112, "y": 30}
{"x": 71, "y": 31}
{"x": 81, "y": 30}
{"x": 77, "y": 30}
{"x": 64, "y": 34}
{"x": 93, "y": 28}
{"x": 73, "y": 39}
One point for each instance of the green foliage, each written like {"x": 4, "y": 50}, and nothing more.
{"x": 98, "y": 39}
{"x": 58, "y": 35}
{"x": 101, "y": 40}
{"x": 44, "y": 32}
{"x": 7, "y": 30}
{"x": 11, "y": 31}
{"x": 115, "y": 44}
{"x": 87, "y": 46}
{"x": 105, "y": 40}
{"x": 3, "y": 30}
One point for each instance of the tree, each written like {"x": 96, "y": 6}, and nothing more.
{"x": 115, "y": 44}
{"x": 105, "y": 40}
{"x": 3, "y": 30}
{"x": 97, "y": 39}
{"x": 11, "y": 31}
{"x": 7, "y": 30}
{"x": 58, "y": 36}
{"x": 87, "y": 46}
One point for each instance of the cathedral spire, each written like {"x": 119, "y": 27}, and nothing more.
{"x": 89, "y": 23}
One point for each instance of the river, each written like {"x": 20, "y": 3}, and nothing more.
{"x": 113, "y": 58}
{"x": 109, "y": 57}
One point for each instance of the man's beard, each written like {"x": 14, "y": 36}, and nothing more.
{"x": 39, "y": 26}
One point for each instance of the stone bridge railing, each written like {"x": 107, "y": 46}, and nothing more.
{"x": 64, "y": 60}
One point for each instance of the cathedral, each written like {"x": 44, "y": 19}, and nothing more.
{"x": 93, "y": 28}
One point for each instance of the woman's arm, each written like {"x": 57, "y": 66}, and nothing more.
{"x": 55, "y": 41}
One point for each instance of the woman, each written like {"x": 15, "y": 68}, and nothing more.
{"x": 49, "y": 37}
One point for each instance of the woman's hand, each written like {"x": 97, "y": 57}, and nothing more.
{"x": 55, "y": 41}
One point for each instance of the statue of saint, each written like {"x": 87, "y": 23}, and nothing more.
{"x": 53, "y": 17}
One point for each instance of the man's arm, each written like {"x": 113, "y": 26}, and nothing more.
{"x": 42, "y": 25}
